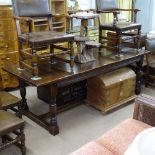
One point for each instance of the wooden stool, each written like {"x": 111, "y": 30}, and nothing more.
{"x": 9, "y": 101}
{"x": 9, "y": 123}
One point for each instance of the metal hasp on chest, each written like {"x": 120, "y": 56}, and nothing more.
{"x": 52, "y": 77}
{"x": 27, "y": 11}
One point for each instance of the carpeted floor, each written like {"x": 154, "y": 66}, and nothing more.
{"x": 77, "y": 127}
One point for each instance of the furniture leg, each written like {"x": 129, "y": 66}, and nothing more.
{"x": 52, "y": 51}
{"x": 139, "y": 75}
{"x": 4, "y": 139}
{"x": 20, "y": 110}
{"x": 53, "y": 127}
{"x": 71, "y": 55}
{"x": 147, "y": 71}
{"x": 138, "y": 39}
{"x": 23, "y": 148}
{"x": 35, "y": 71}
{"x": 100, "y": 35}
{"x": 21, "y": 59}
{"x": 24, "y": 106}
{"x": 119, "y": 48}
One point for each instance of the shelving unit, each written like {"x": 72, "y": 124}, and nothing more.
{"x": 58, "y": 10}
{"x": 40, "y": 24}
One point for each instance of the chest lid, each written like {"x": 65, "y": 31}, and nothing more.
{"x": 117, "y": 76}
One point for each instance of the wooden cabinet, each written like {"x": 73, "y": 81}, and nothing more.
{"x": 8, "y": 45}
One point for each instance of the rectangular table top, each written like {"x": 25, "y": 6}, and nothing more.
{"x": 60, "y": 72}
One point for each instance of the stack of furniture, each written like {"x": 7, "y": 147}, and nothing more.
{"x": 117, "y": 140}
{"x": 124, "y": 30}
{"x": 52, "y": 80}
{"x": 8, "y": 45}
{"x": 9, "y": 40}
{"x": 29, "y": 58}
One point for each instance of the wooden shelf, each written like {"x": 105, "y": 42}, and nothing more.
{"x": 39, "y": 25}
{"x": 59, "y": 27}
{"x": 56, "y": 23}
{"x": 58, "y": 1}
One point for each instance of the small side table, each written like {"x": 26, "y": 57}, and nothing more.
{"x": 84, "y": 45}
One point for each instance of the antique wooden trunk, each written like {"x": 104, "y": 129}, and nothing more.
{"x": 110, "y": 90}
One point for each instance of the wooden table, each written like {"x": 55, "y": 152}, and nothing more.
{"x": 56, "y": 76}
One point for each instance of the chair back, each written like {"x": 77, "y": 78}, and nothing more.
{"x": 106, "y": 5}
{"x": 31, "y": 8}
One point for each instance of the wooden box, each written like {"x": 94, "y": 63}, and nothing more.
{"x": 66, "y": 95}
{"x": 110, "y": 90}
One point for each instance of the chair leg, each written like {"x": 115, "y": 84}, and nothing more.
{"x": 138, "y": 39}
{"x": 147, "y": 71}
{"x": 23, "y": 148}
{"x": 71, "y": 56}
{"x": 4, "y": 139}
{"x": 20, "y": 111}
{"x": 119, "y": 48}
{"x": 100, "y": 37}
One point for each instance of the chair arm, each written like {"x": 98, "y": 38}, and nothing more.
{"x": 145, "y": 109}
{"x": 134, "y": 10}
{"x": 26, "y": 19}
{"x": 108, "y": 11}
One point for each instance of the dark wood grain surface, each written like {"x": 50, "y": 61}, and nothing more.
{"x": 60, "y": 72}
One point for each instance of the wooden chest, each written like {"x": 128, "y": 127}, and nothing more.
{"x": 110, "y": 90}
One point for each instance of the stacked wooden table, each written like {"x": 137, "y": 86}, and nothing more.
{"x": 59, "y": 75}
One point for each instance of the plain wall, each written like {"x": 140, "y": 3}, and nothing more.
{"x": 147, "y": 14}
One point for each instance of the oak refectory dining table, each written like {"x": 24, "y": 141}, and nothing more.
{"x": 59, "y": 74}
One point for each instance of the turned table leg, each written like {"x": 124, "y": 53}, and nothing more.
{"x": 24, "y": 106}
{"x": 53, "y": 127}
{"x": 119, "y": 48}
{"x": 139, "y": 39}
{"x": 139, "y": 76}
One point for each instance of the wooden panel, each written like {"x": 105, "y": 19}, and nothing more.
{"x": 6, "y": 12}
{"x": 8, "y": 43}
{"x": 8, "y": 35}
{"x": 9, "y": 81}
{"x": 7, "y": 24}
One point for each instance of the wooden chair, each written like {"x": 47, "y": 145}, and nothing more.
{"x": 9, "y": 123}
{"x": 150, "y": 62}
{"x": 26, "y": 11}
{"x": 9, "y": 101}
{"x": 122, "y": 29}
